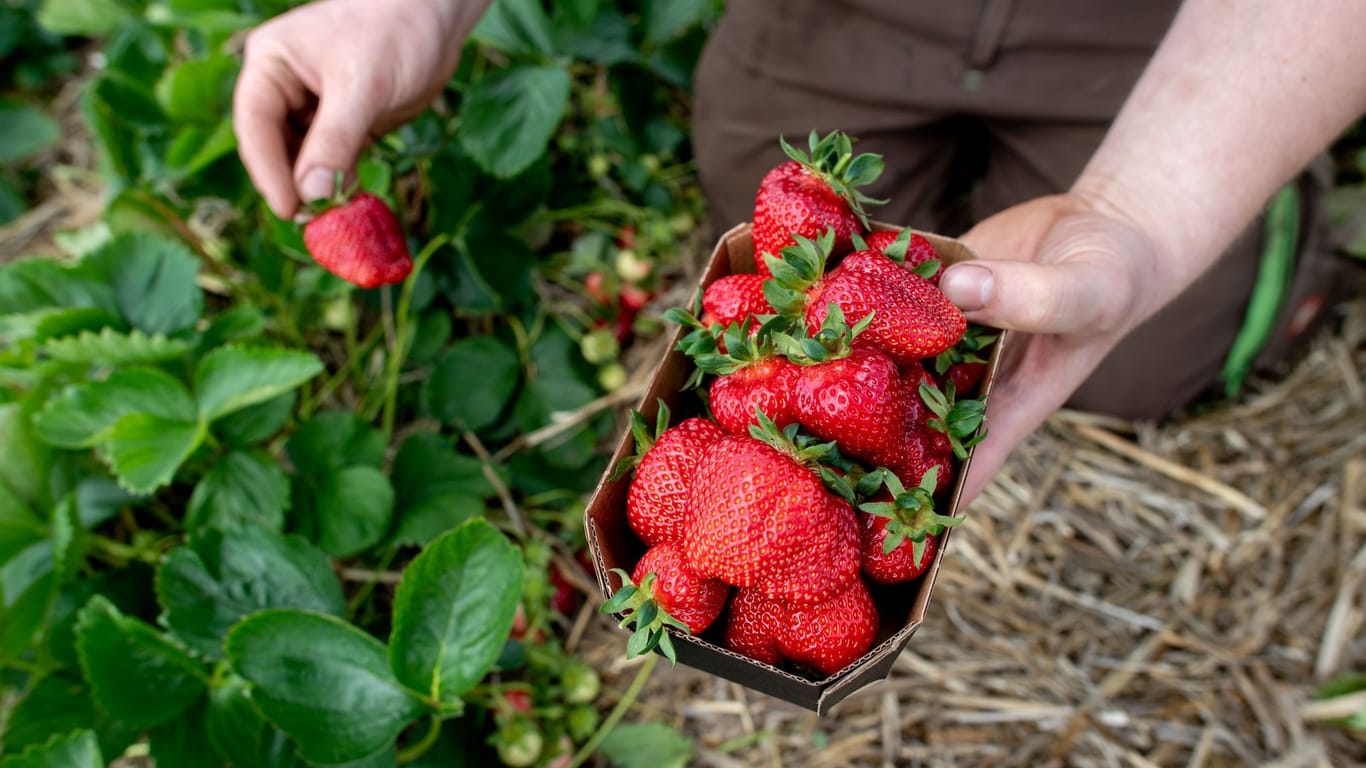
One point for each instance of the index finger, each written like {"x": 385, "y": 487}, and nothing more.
{"x": 261, "y": 104}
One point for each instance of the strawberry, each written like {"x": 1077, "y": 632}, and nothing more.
{"x": 908, "y": 249}
{"x": 664, "y": 466}
{"x": 751, "y": 378}
{"x": 848, "y": 392}
{"x": 689, "y": 598}
{"x": 760, "y": 516}
{"x": 832, "y": 634}
{"x": 753, "y": 623}
{"x": 911, "y": 319}
{"x": 733, "y": 299}
{"x": 897, "y": 538}
{"x": 360, "y": 241}
{"x": 811, "y": 193}
{"x": 964, "y": 364}
{"x": 939, "y": 428}
{"x": 664, "y": 592}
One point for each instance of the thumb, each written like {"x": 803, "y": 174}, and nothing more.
{"x": 1083, "y": 279}
{"x": 340, "y": 130}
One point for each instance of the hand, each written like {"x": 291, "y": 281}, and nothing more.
{"x": 1070, "y": 279}
{"x": 320, "y": 82}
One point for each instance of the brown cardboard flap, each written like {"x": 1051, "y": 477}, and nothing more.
{"x": 612, "y": 544}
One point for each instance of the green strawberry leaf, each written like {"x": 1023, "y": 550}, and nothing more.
{"x": 334, "y": 439}
{"x": 145, "y": 450}
{"x": 198, "y": 90}
{"x": 115, "y": 348}
{"x": 153, "y": 279}
{"x": 240, "y": 735}
{"x": 231, "y": 378}
{"x": 183, "y": 742}
{"x": 353, "y": 508}
{"x": 436, "y": 488}
{"x": 509, "y": 115}
{"x": 60, "y": 703}
{"x": 453, "y": 611}
{"x": 322, "y": 681}
{"x": 137, "y": 675}
{"x": 256, "y": 423}
{"x": 243, "y": 487}
{"x": 646, "y": 745}
{"x": 218, "y": 578}
{"x": 82, "y": 415}
{"x": 666, "y": 19}
{"x": 24, "y": 131}
{"x": 78, "y": 749}
{"x": 516, "y": 27}
{"x": 473, "y": 383}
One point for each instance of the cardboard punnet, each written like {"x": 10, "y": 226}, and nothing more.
{"x": 612, "y": 544}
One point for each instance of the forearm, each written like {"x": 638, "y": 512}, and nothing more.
{"x": 1238, "y": 98}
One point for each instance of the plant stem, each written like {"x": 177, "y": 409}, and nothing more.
{"x": 399, "y": 342}
{"x": 120, "y": 551}
{"x": 369, "y": 586}
{"x": 619, "y": 711}
{"x": 418, "y": 749}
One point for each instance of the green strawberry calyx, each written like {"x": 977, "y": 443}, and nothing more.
{"x": 824, "y": 458}
{"x": 975, "y": 342}
{"x": 341, "y": 195}
{"x": 640, "y": 607}
{"x": 831, "y": 159}
{"x": 833, "y": 341}
{"x": 910, "y": 514}
{"x": 645, "y": 438}
{"x": 962, "y": 420}
{"x": 796, "y": 270}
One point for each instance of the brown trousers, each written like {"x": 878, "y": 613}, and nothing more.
{"x": 1012, "y": 95}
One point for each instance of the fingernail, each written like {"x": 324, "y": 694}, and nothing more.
{"x": 316, "y": 185}
{"x": 970, "y": 286}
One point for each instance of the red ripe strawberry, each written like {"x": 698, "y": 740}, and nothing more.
{"x": 761, "y": 517}
{"x": 664, "y": 467}
{"x": 360, "y": 241}
{"x": 898, "y": 533}
{"x": 901, "y": 564}
{"x": 964, "y": 364}
{"x": 907, "y": 249}
{"x": 940, "y": 427}
{"x": 518, "y": 699}
{"x": 753, "y": 624}
{"x": 811, "y": 193}
{"x": 687, "y": 597}
{"x": 911, "y": 319}
{"x": 765, "y": 386}
{"x": 664, "y": 592}
{"x": 832, "y": 634}
{"x": 852, "y": 395}
{"x": 733, "y": 299}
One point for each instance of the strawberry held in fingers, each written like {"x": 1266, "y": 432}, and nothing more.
{"x": 360, "y": 241}
{"x": 814, "y": 191}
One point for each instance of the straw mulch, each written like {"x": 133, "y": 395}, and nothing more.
{"x": 1122, "y": 595}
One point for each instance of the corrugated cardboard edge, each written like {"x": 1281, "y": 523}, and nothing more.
{"x": 615, "y": 546}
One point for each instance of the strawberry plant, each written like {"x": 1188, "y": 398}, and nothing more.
{"x": 253, "y": 514}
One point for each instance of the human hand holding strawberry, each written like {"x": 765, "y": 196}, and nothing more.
{"x": 1074, "y": 279}
{"x": 320, "y": 82}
